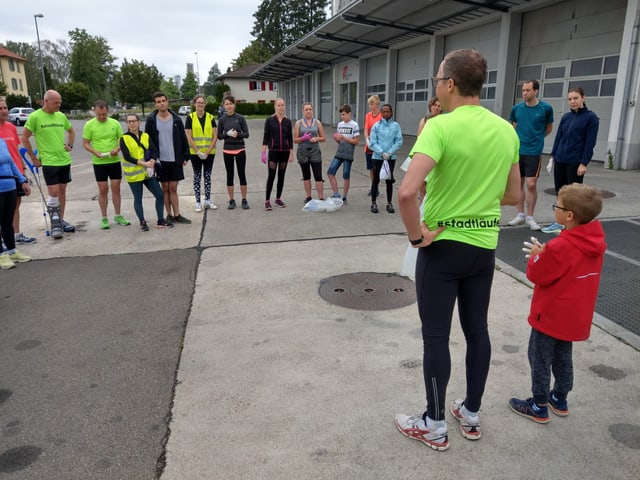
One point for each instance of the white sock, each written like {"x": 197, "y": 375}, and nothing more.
{"x": 53, "y": 202}
{"x": 433, "y": 425}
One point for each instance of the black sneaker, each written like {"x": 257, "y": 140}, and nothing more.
{"x": 181, "y": 219}
{"x": 170, "y": 218}
{"x": 162, "y": 223}
{"x": 67, "y": 227}
{"x": 143, "y": 226}
{"x": 390, "y": 208}
{"x": 245, "y": 204}
{"x": 307, "y": 200}
{"x": 232, "y": 204}
{"x": 374, "y": 208}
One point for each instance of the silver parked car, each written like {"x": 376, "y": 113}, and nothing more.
{"x": 18, "y": 115}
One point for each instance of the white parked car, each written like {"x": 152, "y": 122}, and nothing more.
{"x": 184, "y": 110}
{"x": 18, "y": 115}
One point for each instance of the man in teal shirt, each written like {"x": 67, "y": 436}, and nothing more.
{"x": 533, "y": 120}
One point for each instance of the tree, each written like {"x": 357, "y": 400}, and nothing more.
{"x": 189, "y": 86}
{"x": 55, "y": 58}
{"x": 280, "y": 23}
{"x": 136, "y": 82}
{"x": 220, "y": 90}
{"x": 254, "y": 53}
{"x": 210, "y": 84}
{"x": 92, "y": 63}
{"x": 170, "y": 89}
{"x": 75, "y": 96}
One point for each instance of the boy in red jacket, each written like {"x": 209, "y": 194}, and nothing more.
{"x": 566, "y": 273}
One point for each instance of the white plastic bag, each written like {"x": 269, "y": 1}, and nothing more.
{"x": 385, "y": 171}
{"x": 328, "y": 205}
{"x": 409, "y": 262}
{"x": 550, "y": 165}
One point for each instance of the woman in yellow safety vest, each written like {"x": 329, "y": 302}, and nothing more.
{"x": 139, "y": 156}
{"x": 201, "y": 134}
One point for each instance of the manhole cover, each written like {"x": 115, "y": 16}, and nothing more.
{"x": 368, "y": 291}
{"x": 605, "y": 193}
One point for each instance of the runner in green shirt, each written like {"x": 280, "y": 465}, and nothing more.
{"x": 471, "y": 157}
{"x": 101, "y": 137}
{"x": 48, "y": 125}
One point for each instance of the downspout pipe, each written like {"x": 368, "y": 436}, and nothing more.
{"x": 633, "y": 49}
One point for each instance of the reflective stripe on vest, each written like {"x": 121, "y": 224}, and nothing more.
{"x": 202, "y": 139}
{"x": 135, "y": 173}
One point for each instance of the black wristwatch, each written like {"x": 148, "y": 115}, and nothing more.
{"x": 418, "y": 241}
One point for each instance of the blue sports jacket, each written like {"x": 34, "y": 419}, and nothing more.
{"x": 576, "y": 137}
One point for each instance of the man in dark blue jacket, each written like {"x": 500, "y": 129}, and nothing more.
{"x": 166, "y": 130}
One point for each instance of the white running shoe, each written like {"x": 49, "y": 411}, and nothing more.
{"x": 531, "y": 222}
{"x": 210, "y": 205}
{"x": 198, "y": 207}
{"x": 517, "y": 220}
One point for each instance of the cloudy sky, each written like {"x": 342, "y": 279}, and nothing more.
{"x": 160, "y": 32}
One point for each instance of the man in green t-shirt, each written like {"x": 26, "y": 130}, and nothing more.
{"x": 471, "y": 157}
{"x": 101, "y": 138}
{"x": 48, "y": 125}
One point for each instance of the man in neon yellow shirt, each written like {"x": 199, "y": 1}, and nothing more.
{"x": 471, "y": 157}
{"x": 48, "y": 125}
{"x": 101, "y": 138}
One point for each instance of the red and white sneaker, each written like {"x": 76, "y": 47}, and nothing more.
{"x": 415, "y": 428}
{"x": 469, "y": 424}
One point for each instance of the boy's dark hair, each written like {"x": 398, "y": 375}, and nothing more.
{"x": 583, "y": 200}
{"x": 159, "y": 94}
{"x": 345, "y": 108}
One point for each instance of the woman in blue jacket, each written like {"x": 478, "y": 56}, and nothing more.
{"x": 10, "y": 176}
{"x": 385, "y": 140}
{"x": 573, "y": 146}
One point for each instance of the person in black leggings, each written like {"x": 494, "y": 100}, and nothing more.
{"x": 278, "y": 138}
{"x": 233, "y": 129}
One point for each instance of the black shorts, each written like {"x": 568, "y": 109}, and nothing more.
{"x": 56, "y": 175}
{"x": 530, "y": 166}
{"x": 171, "y": 172}
{"x": 106, "y": 171}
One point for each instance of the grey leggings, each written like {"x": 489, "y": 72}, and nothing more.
{"x": 546, "y": 355}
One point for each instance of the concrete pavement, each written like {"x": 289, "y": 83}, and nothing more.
{"x": 274, "y": 382}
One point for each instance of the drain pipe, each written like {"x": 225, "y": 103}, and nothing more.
{"x": 633, "y": 48}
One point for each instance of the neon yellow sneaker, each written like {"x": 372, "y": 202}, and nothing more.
{"x": 5, "y": 262}
{"x": 121, "y": 220}
{"x": 19, "y": 257}
{"x": 105, "y": 223}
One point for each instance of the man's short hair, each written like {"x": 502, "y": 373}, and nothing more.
{"x": 159, "y": 94}
{"x": 468, "y": 69}
{"x": 534, "y": 84}
{"x": 101, "y": 104}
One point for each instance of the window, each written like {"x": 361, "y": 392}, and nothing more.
{"x": 489, "y": 88}
{"x": 377, "y": 89}
{"x": 529, "y": 72}
{"x": 588, "y": 67}
{"x": 12, "y": 65}
{"x": 14, "y": 84}
{"x": 412, "y": 91}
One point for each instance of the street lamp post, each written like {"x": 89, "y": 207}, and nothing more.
{"x": 197, "y": 74}
{"x": 44, "y": 82}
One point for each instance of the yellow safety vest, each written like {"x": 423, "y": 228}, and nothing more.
{"x": 202, "y": 139}
{"x": 135, "y": 173}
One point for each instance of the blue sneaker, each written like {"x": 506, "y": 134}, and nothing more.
{"x": 530, "y": 409}
{"x": 557, "y": 406}
{"x": 553, "y": 228}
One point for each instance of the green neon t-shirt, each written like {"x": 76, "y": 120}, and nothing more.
{"x": 104, "y": 137}
{"x": 474, "y": 150}
{"x": 48, "y": 129}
